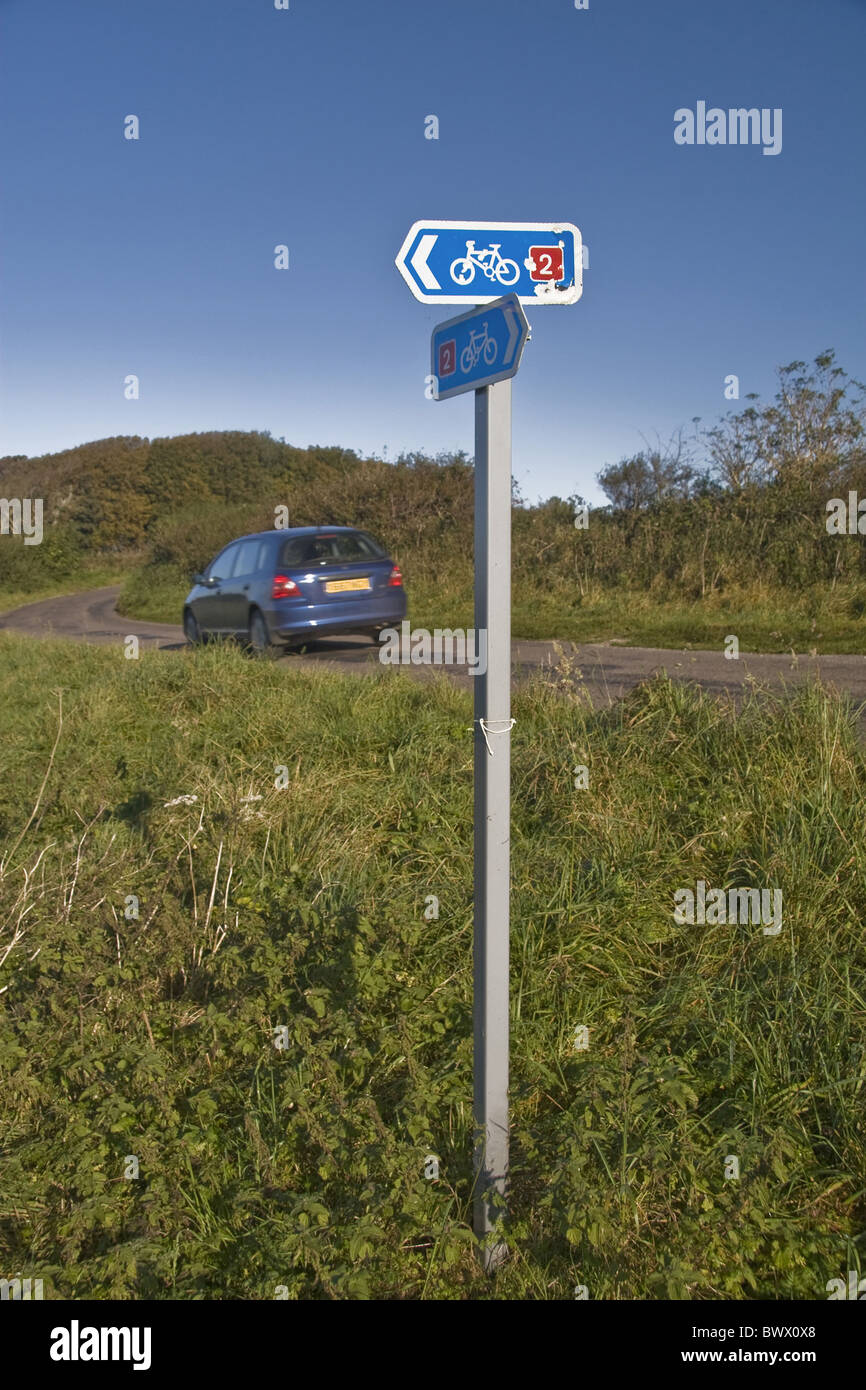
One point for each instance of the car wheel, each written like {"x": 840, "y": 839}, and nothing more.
{"x": 191, "y": 629}
{"x": 258, "y": 637}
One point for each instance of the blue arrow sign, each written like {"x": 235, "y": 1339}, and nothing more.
{"x": 451, "y": 262}
{"x": 478, "y": 348}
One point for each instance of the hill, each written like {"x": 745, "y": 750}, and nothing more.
{"x": 724, "y": 533}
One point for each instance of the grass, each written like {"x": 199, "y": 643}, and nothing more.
{"x": 821, "y": 620}
{"x": 204, "y": 854}
{"x": 155, "y": 594}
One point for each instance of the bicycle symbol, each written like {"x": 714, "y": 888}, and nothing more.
{"x": 495, "y": 267}
{"x": 478, "y": 343}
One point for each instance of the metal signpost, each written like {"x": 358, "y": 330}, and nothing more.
{"x": 492, "y": 763}
{"x": 480, "y": 351}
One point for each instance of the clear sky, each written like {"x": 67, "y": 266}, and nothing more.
{"x": 305, "y": 127}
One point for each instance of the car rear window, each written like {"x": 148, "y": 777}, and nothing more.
{"x": 327, "y": 549}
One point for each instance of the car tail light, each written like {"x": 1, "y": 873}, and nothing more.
{"x": 284, "y": 587}
{"x": 395, "y": 578}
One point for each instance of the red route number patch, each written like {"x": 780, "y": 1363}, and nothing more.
{"x": 546, "y": 263}
{"x": 448, "y": 357}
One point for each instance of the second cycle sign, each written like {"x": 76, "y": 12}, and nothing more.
{"x": 478, "y": 348}
{"x": 475, "y": 262}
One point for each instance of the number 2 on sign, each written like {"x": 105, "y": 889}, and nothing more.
{"x": 545, "y": 263}
{"x": 447, "y": 357}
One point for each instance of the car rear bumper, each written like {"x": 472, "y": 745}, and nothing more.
{"x": 293, "y": 618}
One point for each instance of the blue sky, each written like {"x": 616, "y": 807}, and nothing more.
{"x": 306, "y": 127}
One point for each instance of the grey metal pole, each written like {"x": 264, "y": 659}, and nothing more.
{"x": 492, "y": 806}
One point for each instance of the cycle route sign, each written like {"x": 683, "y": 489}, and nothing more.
{"x": 478, "y": 348}
{"x": 476, "y": 262}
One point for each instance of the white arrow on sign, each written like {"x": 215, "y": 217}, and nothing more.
{"x": 420, "y": 266}
{"x": 513, "y": 333}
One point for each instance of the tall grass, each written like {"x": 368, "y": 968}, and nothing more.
{"x": 303, "y": 907}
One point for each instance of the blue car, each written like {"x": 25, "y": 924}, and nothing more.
{"x": 284, "y": 588}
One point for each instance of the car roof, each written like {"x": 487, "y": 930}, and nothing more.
{"x": 289, "y": 531}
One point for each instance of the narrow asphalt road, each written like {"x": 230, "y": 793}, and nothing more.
{"x": 608, "y": 670}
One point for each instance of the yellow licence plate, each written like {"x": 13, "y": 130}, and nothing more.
{"x": 343, "y": 586}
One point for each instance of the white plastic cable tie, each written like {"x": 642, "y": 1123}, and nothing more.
{"x": 487, "y": 728}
